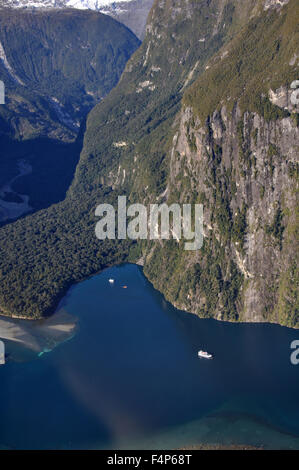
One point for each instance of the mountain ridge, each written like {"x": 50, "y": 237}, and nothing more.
{"x": 53, "y": 75}
{"x": 132, "y": 13}
{"x": 46, "y": 66}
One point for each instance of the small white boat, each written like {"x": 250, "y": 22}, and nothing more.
{"x": 111, "y": 281}
{"x": 205, "y": 355}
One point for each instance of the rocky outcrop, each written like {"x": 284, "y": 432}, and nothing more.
{"x": 275, "y": 3}
{"x": 243, "y": 170}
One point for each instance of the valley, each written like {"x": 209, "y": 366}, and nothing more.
{"x": 132, "y": 13}
{"x": 47, "y": 98}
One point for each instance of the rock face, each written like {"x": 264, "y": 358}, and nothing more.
{"x": 275, "y": 3}
{"x": 283, "y": 98}
{"x": 244, "y": 171}
{"x": 236, "y": 152}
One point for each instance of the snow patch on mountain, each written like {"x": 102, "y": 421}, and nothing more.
{"x": 79, "y": 4}
{"x": 94, "y": 4}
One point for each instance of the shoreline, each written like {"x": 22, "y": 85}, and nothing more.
{"x": 40, "y": 335}
{"x": 63, "y": 294}
{"x": 228, "y": 421}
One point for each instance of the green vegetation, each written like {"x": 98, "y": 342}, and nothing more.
{"x": 293, "y": 170}
{"x": 65, "y": 61}
{"x": 254, "y": 135}
{"x": 240, "y": 227}
{"x": 276, "y": 229}
{"x": 269, "y": 111}
{"x": 287, "y": 308}
{"x": 65, "y": 54}
{"x": 262, "y": 48}
{"x": 262, "y": 191}
{"x": 244, "y": 145}
{"x": 56, "y": 247}
{"x": 47, "y": 250}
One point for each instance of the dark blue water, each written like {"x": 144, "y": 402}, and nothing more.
{"x": 130, "y": 377}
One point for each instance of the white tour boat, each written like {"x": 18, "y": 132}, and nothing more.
{"x": 205, "y": 355}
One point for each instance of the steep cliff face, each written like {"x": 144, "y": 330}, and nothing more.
{"x": 244, "y": 170}
{"x": 237, "y": 154}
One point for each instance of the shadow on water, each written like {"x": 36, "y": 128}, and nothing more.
{"x": 53, "y": 166}
{"x": 130, "y": 377}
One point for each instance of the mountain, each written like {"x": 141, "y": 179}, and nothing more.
{"x": 63, "y": 62}
{"x": 132, "y": 13}
{"x": 203, "y": 114}
{"x": 233, "y": 146}
{"x": 56, "y": 65}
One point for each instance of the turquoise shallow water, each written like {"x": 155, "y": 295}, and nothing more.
{"x": 130, "y": 377}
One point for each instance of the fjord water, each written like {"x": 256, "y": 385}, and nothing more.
{"x": 130, "y": 377}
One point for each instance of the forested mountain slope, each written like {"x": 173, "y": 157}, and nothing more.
{"x": 236, "y": 151}
{"x": 196, "y": 125}
{"x": 55, "y": 66}
{"x": 132, "y": 13}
